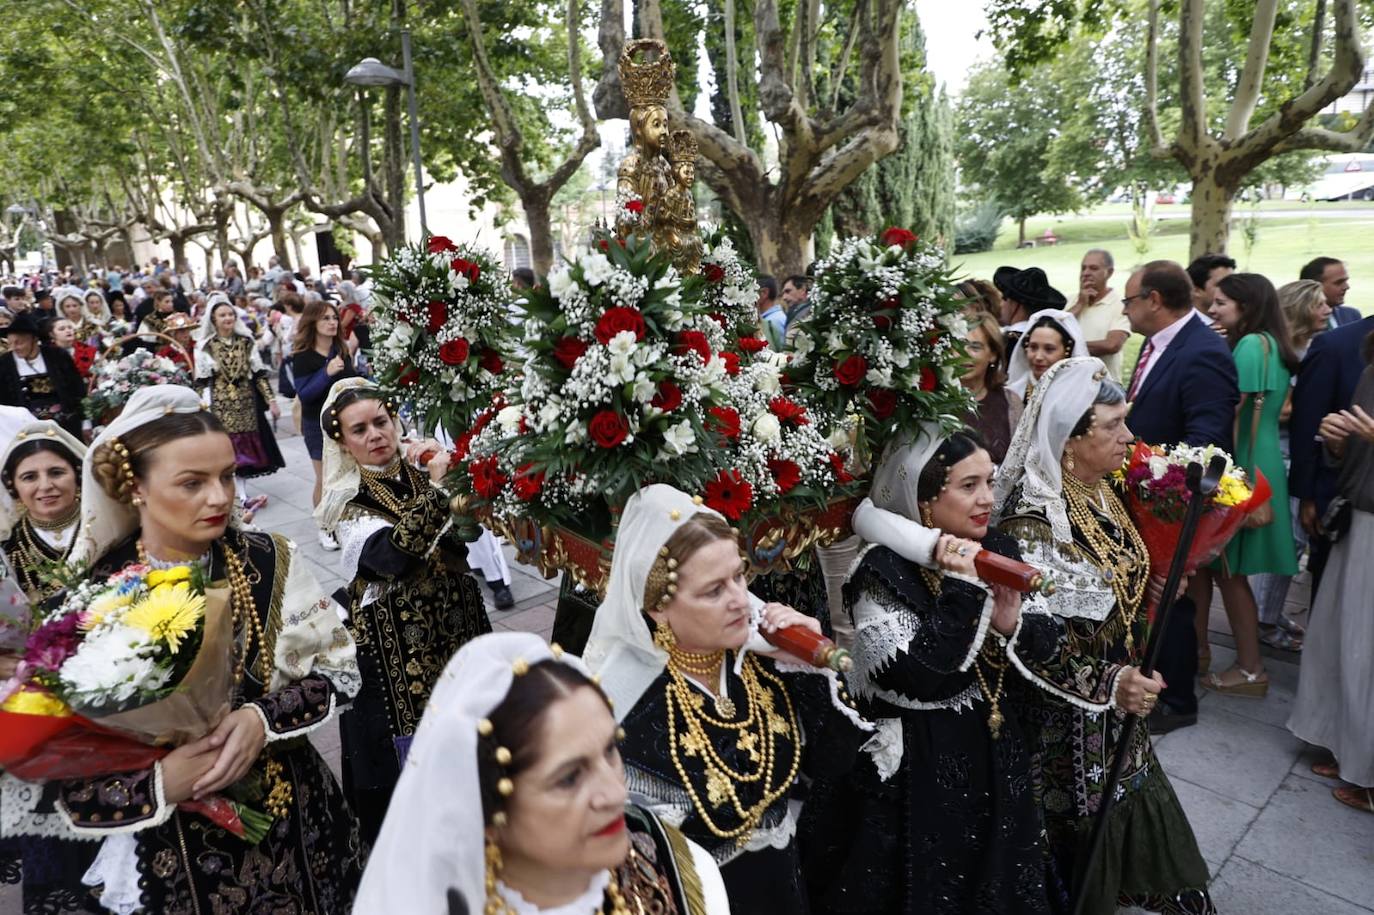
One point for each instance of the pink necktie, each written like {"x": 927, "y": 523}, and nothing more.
{"x": 1140, "y": 368}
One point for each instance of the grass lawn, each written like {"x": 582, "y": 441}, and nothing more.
{"x": 1281, "y": 247}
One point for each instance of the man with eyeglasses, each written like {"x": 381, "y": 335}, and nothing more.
{"x": 1184, "y": 389}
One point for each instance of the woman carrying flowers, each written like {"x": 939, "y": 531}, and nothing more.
{"x": 1056, "y": 499}
{"x": 412, "y": 602}
{"x": 158, "y": 494}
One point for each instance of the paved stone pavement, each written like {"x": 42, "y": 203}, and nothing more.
{"x": 1276, "y": 841}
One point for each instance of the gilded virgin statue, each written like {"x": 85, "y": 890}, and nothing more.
{"x": 653, "y": 171}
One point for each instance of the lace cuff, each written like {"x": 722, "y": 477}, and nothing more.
{"x": 425, "y": 519}
{"x": 114, "y": 804}
{"x": 296, "y": 709}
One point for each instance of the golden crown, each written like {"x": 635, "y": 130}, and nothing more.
{"x": 647, "y": 81}
{"x": 682, "y": 147}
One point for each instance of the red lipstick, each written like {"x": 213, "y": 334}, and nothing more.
{"x": 611, "y": 828}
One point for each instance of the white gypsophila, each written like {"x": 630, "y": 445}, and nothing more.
{"x": 596, "y": 268}
{"x": 626, "y": 289}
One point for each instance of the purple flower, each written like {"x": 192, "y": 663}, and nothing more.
{"x": 52, "y": 643}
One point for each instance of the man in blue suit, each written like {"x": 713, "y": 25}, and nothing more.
{"x": 1184, "y": 390}
{"x": 1335, "y": 281}
{"x": 1326, "y": 383}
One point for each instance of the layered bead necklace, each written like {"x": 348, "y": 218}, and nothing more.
{"x": 757, "y": 735}
{"x": 375, "y": 483}
{"x": 1118, "y": 550}
{"x": 240, "y": 603}
{"x": 33, "y": 555}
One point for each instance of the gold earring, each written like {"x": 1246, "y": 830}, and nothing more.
{"x": 136, "y": 501}
{"x": 494, "y": 863}
{"x": 664, "y": 637}
{"x": 926, "y": 516}
{"x": 1068, "y": 461}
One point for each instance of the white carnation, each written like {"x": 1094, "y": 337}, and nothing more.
{"x": 596, "y": 269}
{"x": 562, "y": 283}
{"x": 679, "y": 438}
{"x": 767, "y": 429}
{"x": 803, "y": 345}
{"x": 623, "y": 343}
{"x": 509, "y": 419}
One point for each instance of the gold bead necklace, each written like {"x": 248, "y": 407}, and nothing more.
{"x": 1119, "y": 552}
{"x": 757, "y": 736}
{"x": 374, "y": 481}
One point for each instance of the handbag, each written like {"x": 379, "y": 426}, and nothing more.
{"x": 1265, "y": 513}
{"x": 1336, "y": 521}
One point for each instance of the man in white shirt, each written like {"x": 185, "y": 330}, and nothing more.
{"x": 1098, "y": 310}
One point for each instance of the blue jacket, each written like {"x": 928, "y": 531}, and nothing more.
{"x": 1344, "y": 315}
{"x": 1326, "y": 383}
{"x": 1190, "y": 394}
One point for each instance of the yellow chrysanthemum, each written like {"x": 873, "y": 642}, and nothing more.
{"x": 1231, "y": 492}
{"x": 168, "y": 614}
{"x": 36, "y": 702}
{"x": 170, "y": 576}
{"x": 104, "y": 605}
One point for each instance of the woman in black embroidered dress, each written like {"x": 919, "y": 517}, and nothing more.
{"x": 40, "y": 469}
{"x": 717, "y": 737}
{"x": 512, "y": 802}
{"x": 1055, "y": 498}
{"x": 412, "y": 603}
{"x": 947, "y": 821}
{"x": 165, "y": 496}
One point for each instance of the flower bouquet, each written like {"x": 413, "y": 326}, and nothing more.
{"x": 119, "y": 674}
{"x": 113, "y": 382}
{"x": 620, "y": 375}
{"x": 1155, "y": 479}
{"x": 778, "y": 471}
{"x": 885, "y": 340}
{"x": 442, "y": 329}
{"x": 727, "y": 290}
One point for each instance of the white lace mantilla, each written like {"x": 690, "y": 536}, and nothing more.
{"x": 353, "y": 534}
{"x": 1080, "y": 590}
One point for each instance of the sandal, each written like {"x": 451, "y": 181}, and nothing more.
{"x": 1282, "y": 639}
{"x": 1250, "y": 686}
{"x": 1326, "y": 769}
{"x": 1361, "y": 799}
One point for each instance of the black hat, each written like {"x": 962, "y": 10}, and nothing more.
{"x": 1030, "y": 287}
{"x": 42, "y": 294}
{"x": 23, "y": 323}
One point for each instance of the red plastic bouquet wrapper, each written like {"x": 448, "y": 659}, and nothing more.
{"x": 1216, "y": 526}
{"x": 41, "y": 748}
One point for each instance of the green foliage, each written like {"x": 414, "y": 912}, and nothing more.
{"x": 976, "y": 230}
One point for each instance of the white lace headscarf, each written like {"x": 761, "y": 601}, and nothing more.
{"x": 13, "y": 421}
{"x": 104, "y": 520}
{"x": 101, "y": 316}
{"x": 621, "y": 649}
{"x": 1019, "y": 370}
{"x": 205, "y": 363}
{"x": 890, "y": 515}
{"x": 62, "y": 293}
{"x": 433, "y": 839}
{"x": 340, "y": 478}
{"x": 1064, "y": 393}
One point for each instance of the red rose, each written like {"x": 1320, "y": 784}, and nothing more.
{"x": 694, "y": 341}
{"x": 466, "y": 268}
{"x": 883, "y": 401}
{"x": 928, "y": 378}
{"x": 725, "y": 420}
{"x": 788, "y": 411}
{"x": 731, "y": 361}
{"x": 438, "y": 244}
{"x": 668, "y": 398}
{"x": 752, "y": 344}
{"x": 785, "y": 473}
{"x": 851, "y": 371}
{"x": 899, "y": 237}
{"x": 487, "y": 480}
{"x": 635, "y": 206}
{"x": 438, "y": 314}
{"x": 568, "y": 350}
{"x": 604, "y": 245}
{"x": 408, "y": 375}
{"x": 527, "y": 483}
{"x": 617, "y": 319}
{"x": 491, "y": 361}
{"x": 837, "y": 465}
{"x": 454, "y": 352}
{"x": 729, "y": 494}
{"x": 713, "y": 272}
{"x": 884, "y": 321}
{"x": 608, "y": 428}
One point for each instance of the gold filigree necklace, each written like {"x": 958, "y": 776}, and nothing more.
{"x": 990, "y": 655}
{"x": 1119, "y": 555}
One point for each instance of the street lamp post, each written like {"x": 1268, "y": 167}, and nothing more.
{"x": 372, "y": 72}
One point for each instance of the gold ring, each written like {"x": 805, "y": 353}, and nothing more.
{"x": 951, "y": 547}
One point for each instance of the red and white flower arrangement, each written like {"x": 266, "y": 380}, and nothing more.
{"x": 728, "y": 291}
{"x": 443, "y": 330}
{"x": 885, "y": 338}
{"x": 620, "y": 375}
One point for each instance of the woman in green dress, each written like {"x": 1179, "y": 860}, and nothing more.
{"x": 1247, "y": 307}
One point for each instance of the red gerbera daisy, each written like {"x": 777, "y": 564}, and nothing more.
{"x": 729, "y": 494}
